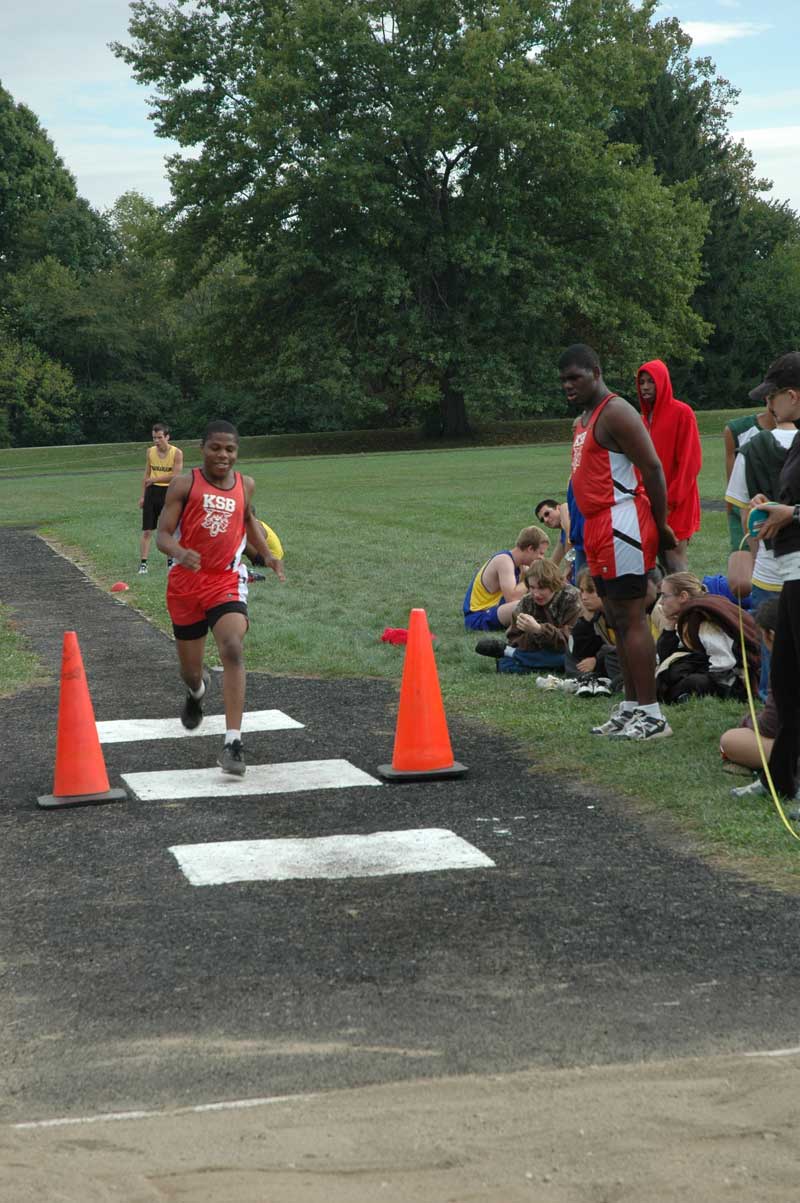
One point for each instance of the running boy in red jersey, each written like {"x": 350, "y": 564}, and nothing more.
{"x": 619, "y": 486}
{"x": 205, "y": 526}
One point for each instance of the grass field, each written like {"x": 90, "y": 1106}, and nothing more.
{"x": 367, "y": 538}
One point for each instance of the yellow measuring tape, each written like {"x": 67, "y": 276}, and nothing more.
{"x": 751, "y": 704}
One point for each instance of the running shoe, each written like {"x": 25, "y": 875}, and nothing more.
{"x": 552, "y": 683}
{"x": 615, "y": 723}
{"x": 491, "y": 647}
{"x": 142, "y": 569}
{"x": 756, "y": 789}
{"x": 231, "y": 758}
{"x": 585, "y": 686}
{"x": 192, "y": 712}
{"x": 644, "y": 727}
{"x": 602, "y": 687}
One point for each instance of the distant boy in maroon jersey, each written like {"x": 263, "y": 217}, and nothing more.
{"x": 204, "y": 528}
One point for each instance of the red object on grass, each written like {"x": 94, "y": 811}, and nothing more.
{"x": 396, "y": 635}
{"x": 119, "y": 587}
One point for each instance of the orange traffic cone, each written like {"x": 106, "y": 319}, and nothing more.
{"x": 80, "y": 774}
{"x": 422, "y": 744}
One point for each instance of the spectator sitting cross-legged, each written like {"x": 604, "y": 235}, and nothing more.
{"x": 738, "y": 745}
{"x": 699, "y": 649}
{"x": 538, "y": 634}
{"x": 592, "y": 655}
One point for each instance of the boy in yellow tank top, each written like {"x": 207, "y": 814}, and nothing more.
{"x": 163, "y": 463}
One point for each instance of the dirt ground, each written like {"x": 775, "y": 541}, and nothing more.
{"x": 700, "y": 1129}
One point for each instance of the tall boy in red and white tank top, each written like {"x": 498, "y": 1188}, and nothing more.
{"x": 204, "y": 527}
{"x": 619, "y": 487}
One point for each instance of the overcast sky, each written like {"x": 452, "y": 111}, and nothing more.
{"x": 54, "y": 57}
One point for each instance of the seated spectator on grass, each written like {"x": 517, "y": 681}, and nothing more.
{"x": 495, "y": 588}
{"x": 738, "y": 745}
{"x": 566, "y": 518}
{"x": 275, "y": 546}
{"x": 539, "y": 630}
{"x": 592, "y": 655}
{"x": 698, "y": 649}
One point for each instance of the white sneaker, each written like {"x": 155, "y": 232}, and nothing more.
{"x": 142, "y": 570}
{"x": 757, "y": 789}
{"x": 564, "y": 684}
{"x": 585, "y": 686}
{"x": 616, "y": 722}
{"x": 645, "y": 727}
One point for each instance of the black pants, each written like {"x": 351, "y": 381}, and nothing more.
{"x": 785, "y": 681}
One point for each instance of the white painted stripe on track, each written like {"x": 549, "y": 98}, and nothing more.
{"x": 775, "y": 1052}
{"x": 110, "y": 1117}
{"x": 127, "y": 730}
{"x": 287, "y": 778}
{"x": 384, "y": 853}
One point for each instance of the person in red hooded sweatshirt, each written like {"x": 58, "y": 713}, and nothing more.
{"x": 672, "y": 426}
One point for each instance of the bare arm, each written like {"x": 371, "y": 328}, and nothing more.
{"x": 506, "y": 580}
{"x": 177, "y": 493}
{"x": 177, "y": 464}
{"x": 730, "y": 452}
{"x": 146, "y": 477}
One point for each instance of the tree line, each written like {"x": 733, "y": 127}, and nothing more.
{"x": 392, "y": 214}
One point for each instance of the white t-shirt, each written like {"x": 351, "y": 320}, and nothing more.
{"x": 766, "y": 572}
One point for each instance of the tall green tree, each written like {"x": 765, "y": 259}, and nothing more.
{"x": 682, "y": 131}
{"x": 33, "y": 179}
{"x": 424, "y": 195}
{"x": 38, "y": 398}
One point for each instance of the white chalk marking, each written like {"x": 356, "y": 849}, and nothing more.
{"x": 776, "y": 1052}
{"x": 111, "y": 1117}
{"x": 289, "y": 777}
{"x": 123, "y": 731}
{"x": 422, "y": 850}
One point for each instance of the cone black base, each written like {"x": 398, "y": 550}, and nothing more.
{"x": 53, "y": 801}
{"x": 389, "y": 774}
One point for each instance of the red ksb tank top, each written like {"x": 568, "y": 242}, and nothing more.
{"x": 213, "y": 523}
{"x": 601, "y": 478}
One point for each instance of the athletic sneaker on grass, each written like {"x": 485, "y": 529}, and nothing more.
{"x": 192, "y": 713}
{"x": 231, "y": 758}
{"x": 641, "y": 727}
{"x": 757, "y": 789}
{"x": 586, "y": 684}
{"x": 616, "y": 722}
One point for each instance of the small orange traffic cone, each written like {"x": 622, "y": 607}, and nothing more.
{"x": 80, "y": 775}
{"x": 422, "y": 748}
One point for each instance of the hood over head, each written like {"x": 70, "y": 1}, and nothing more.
{"x": 664, "y": 395}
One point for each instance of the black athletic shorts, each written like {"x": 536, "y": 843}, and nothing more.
{"x": 154, "y": 497}
{"x": 623, "y": 588}
{"x": 197, "y": 630}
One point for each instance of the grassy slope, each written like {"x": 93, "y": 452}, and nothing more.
{"x": 370, "y": 536}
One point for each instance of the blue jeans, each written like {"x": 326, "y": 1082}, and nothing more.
{"x": 757, "y": 596}
{"x": 527, "y": 662}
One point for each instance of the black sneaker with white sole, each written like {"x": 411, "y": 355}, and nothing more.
{"x": 231, "y": 758}
{"x": 586, "y": 684}
{"x": 491, "y": 647}
{"x": 192, "y": 712}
